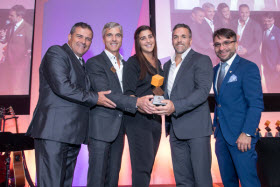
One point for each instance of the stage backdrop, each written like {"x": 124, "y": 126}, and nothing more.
{"x": 53, "y": 21}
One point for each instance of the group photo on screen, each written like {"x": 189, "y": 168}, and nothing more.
{"x": 254, "y": 21}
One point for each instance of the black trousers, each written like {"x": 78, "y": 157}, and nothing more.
{"x": 55, "y": 163}
{"x": 143, "y": 133}
{"x": 105, "y": 161}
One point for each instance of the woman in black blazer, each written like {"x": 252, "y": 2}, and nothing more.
{"x": 143, "y": 130}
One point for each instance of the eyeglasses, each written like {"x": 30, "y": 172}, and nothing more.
{"x": 225, "y": 43}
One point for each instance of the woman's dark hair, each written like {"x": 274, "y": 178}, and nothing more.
{"x": 145, "y": 65}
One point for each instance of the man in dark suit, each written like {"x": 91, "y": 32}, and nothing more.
{"x": 18, "y": 37}
{"x": 270, "y": 54}
{"x": 60, "y": 120}
{"x": 249, "y": 35}
{"x": 188, "y": 78}
{"x": 106, "y": 131}
{"x": 239, "y": 103}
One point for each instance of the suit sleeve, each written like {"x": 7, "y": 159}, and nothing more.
{"x": 101, "y": 82}
{"x": 252, "y": 89}
{"x": 56, "y": 70}
{"x": 256, "y": 41}
{"x": 130, "y": 77}
{"x": 203, "y": 81}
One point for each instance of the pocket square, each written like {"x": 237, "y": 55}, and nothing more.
{"x": 272, "y": 38}
{"x": 232, "y": 78}
{"x": 20, "y": 35}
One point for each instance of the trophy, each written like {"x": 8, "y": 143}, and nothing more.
{"x": 268, "y": 133}
{"x": 157, "y": 81}
{"x": 278, "y": 128}
{"x": 259, "y": 132}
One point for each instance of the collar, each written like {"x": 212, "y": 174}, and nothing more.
{"x": 74, "y": 53}
{"x": 208, "y": 20}
{"x": 18, "y": 23}
{"x": 229, "y": 61}
{"x": 269, "y": 30}
{"x": 245, "y": 21}
{"x": 111, "y": 56}
{"x": 183, "y": 56}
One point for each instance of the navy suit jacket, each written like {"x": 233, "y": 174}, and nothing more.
{"x": 240, "y": 101}
{"x": 104, "y": 123}
{"x": 271, "y": 49}
{"x": 64, "y": 101}
{"x": 189, "y": 94}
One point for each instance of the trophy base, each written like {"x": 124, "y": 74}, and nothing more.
{"x": 268, "y": 134}
{"x": 277, "y": 134}
{"x": 157, "y": 100}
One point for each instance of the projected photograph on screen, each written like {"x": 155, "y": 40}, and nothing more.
{"x": 256, "y": 23}
{"x": 16, "y": 33}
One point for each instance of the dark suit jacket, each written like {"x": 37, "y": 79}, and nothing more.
{"x": 104, "y": 123}
{"x": 271, "y": 49}
{"x": 62, "y": 110}
{"x": 18, "y": 45}
{"x": 189, "y": 94}
{"x": 251, "y": 40}
{"x": 240, "y": 101}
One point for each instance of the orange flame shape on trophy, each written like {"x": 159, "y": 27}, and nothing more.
{"x": 157, "y": 80}
{"x": 267, "y": 123}
{"x": 277, "y": 123}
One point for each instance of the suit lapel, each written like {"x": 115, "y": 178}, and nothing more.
{"x": 111, "y": 67}
{"x": 229, "y": 73}
{"x": 185, "y": 65}
{"x": 166, "y": 73}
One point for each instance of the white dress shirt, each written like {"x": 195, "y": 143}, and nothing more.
{"x": 229, "y": 62}
{"x": 18, "y": 24}
{"x": 174, "y": 70}
{"x": 268, "y": 31}
{"x": 240, "y": 28}
{"x": 210, "y": 23}
{"x": 119, "y": 69}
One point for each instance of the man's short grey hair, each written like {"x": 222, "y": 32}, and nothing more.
{"x": 111, "y": 25}
{"x": 207, "y": 6}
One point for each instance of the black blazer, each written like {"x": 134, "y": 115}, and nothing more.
{"x": 104, "y": 123}
{"x": 62, "y": 110}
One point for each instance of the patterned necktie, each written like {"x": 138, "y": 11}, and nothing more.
{"x": 221, "y": 75}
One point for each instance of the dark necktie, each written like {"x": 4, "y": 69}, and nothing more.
{"x": 221, "y": 75}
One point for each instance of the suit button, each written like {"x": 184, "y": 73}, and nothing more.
{"x": 219, "y": 105}
{"x": 120, "y": 115}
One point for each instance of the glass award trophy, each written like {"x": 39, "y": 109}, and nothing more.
{"x": 277, "y": 128}
{"x": 268, "y": 133}
{"x": 157, "y": 82}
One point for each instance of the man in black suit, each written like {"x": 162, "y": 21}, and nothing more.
{"x": 188, "y": 76}
{"x": 60, "y": 119}
{"x": 106, "y": 131}
{"x": 249, "y": 35}
{"x": 18, "y": 37}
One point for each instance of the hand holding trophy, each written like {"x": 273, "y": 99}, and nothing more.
{"x": 157, "y": 81}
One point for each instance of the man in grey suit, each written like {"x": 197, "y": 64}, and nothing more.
{"x": 60, "y": 119}
{"x": 106, "y": 131}
{"x": 188, "y": 76}
{"x": 249, "y": 35}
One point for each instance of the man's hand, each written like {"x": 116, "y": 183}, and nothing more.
{"x": 167, "y": 110}
{"x": 104, "y": 101}
{"x": 145, "y": 104}
{"x": 244, "y": 142}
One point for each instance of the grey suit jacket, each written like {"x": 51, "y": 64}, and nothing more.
{"x": 104, "y": 123}
{"x": 189, "y": 94}
{"x": 64, "y": 101}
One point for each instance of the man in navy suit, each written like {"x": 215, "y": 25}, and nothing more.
{"x": 270, "y": 53}
{"x": 239, "y": 103}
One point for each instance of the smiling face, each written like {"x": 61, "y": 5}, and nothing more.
{"x": 225, "y": 52}
{"x": 13, "y": 17}
{"x": 146, "y": 41}
{"x": 268, "y": 22}
{"x": 80, "y": 40}
{"x": 244, "y": 13}
{"x": 181, "y": 40}
{"x": 113, "y": 40}
{"x": 226, "y": 13}
{"x": 210, "y": 13}
{"x": 198, "y": 16}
